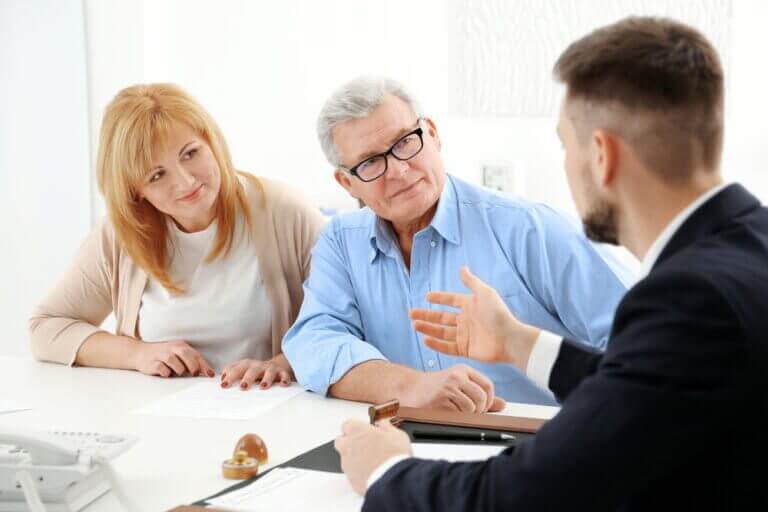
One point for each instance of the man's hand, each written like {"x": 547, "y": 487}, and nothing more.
{"x": 363, "y": 448}
{"x": 484, "y": 329}
{"x": 171, "y": 358}
{"x": 459, "y": 388}
{"x": 249, "y": 371}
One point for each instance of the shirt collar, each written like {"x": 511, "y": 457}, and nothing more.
{"x": 446, "y": 219}
{"x": 445, "y": 223}
{"x": 656, "y": 248}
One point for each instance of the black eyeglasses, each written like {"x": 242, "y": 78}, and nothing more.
{"x": 406, "y": 147}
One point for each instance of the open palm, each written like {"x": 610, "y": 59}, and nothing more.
{"x": 483, "y": 329}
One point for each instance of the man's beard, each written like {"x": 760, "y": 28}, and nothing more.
{"x": 600, "y": 223}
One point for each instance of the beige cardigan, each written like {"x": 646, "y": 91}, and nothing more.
{"x": 103, "y": 277}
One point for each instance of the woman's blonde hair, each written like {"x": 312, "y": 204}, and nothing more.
{"x": 137, "y": 120}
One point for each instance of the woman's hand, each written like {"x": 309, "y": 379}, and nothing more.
{"x": 250, "y": 371}
{"x": 170, "y": 359}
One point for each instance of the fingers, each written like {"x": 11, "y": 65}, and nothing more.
{"x": 175, "y": 364}
{"x": 285, "y": 377}
{"x": 205, "y": 368}
{"x": 462, "y": 402}
{"x": 485, "y": 384}
{"x": 451, "y": 405}
{"x": 440, "y": 332}
{"x": 477, "y": 395}
{"x": 268, "y": 377}
{"x": 252, "y": 374}
{"x": 159, "y": 368}
{"x": 233, "y": 373}
{"x": 190, "y": 358}
{"x": 433, "y": 316}
{"x": 471, "y": 281}
{"x": 453, "y": 299}
{"x": 498, "y": 404}
{"x": 450, "y": 348}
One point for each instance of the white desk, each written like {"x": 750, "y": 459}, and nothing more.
{"x": 177, "y": 460}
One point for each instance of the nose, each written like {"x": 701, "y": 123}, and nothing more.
{"x": 396, "y": 168}
{"x": 185, "y": 177}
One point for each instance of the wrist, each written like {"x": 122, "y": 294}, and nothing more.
{"x": 135, "y": 352}
{"x": 520, "y": 345}
{"x": 407, "y": 386}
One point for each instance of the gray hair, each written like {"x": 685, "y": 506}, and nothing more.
{"x": 354, "y": 100}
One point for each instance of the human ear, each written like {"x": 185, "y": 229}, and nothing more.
{"x": 605, "y": 158}
{"x": 345, "y": 180}
{"x": 432, "y": 131}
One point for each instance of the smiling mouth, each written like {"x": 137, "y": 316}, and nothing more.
{"x": 192, "y": 195}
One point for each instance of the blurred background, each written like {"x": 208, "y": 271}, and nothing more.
{"x": 481, "y": 69}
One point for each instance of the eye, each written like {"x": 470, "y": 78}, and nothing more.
{"x": 405, "y": 142}
{"x": 156, "y": 176}
{"x": 365, "y": 165}
{"x": 190, "y": 154}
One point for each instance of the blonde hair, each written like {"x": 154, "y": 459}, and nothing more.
{"x": 136, "y": 120}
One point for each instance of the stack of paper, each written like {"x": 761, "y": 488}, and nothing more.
{"x": 544, "y": 412}
{"x": 456, "y": 452}
{"x": 293, "y": 490}
{"x": 210, "y": 400}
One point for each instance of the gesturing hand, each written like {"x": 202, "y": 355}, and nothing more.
{"x": 483, "y": 329}
{"x": 171, "y": 358}
{"x": 248, "y": 371}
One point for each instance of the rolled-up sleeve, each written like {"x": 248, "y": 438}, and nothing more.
{"x": 327, "y": 339}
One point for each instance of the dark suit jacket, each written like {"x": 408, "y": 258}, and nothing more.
{"x": 673, "y": 416}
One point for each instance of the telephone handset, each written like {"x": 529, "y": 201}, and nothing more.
{"x": 57, "y": 470}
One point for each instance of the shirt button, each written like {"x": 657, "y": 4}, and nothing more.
{"x": 433, "y": 243}
{"x": 431, "y": 363}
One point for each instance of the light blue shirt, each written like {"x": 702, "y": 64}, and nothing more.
{"x": 359, "y": 292}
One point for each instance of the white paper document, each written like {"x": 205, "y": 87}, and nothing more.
{"x": 9, "y": 405}
{"x": 293, "y": 490}
{"x": 544, "y": 412}
{"x": 456, "y": 452}
{"x": 210, "y": 400}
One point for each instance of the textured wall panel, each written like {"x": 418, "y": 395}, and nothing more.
{"x": 504, "y": 50}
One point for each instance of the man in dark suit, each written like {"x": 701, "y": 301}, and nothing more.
{"x": 673, "y": 416}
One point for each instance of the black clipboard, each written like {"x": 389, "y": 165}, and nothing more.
{"x": 325, "y": 457}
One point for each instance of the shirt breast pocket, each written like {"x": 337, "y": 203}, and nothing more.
{"x": 516, "y": 303}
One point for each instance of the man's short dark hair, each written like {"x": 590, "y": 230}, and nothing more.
{"x": 662, "y": 71}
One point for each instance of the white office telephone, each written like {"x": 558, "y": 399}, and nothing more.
{"x": 57, "y": 471}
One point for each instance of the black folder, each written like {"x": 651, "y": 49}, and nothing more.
{"x": 325, "y": 457}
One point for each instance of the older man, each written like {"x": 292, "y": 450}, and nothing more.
{"x": 353, "y": 337}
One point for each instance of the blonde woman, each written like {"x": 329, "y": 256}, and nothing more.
{"x": 201, "y": 264}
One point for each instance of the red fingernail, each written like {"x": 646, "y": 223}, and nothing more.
{"x": 263, "y": 384}
{"x": 225, "y": 384}
{"x": 244, "y": 386}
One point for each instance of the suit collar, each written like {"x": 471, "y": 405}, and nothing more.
{"x": 713, "y": 215}
{"x": 653, "y": 252}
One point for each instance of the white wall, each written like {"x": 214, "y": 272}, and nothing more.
{"x": 44, "y": 156}
{"x": 263, "y": 69}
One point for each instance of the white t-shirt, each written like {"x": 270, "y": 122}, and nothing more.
{"x": 225, "y": 312}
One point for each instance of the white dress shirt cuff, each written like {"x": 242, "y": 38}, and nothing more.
{"x": 542, "y": 359}
{"x": 383, "y": 468}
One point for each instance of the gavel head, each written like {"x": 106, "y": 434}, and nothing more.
{"x": 254, "y": 446}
